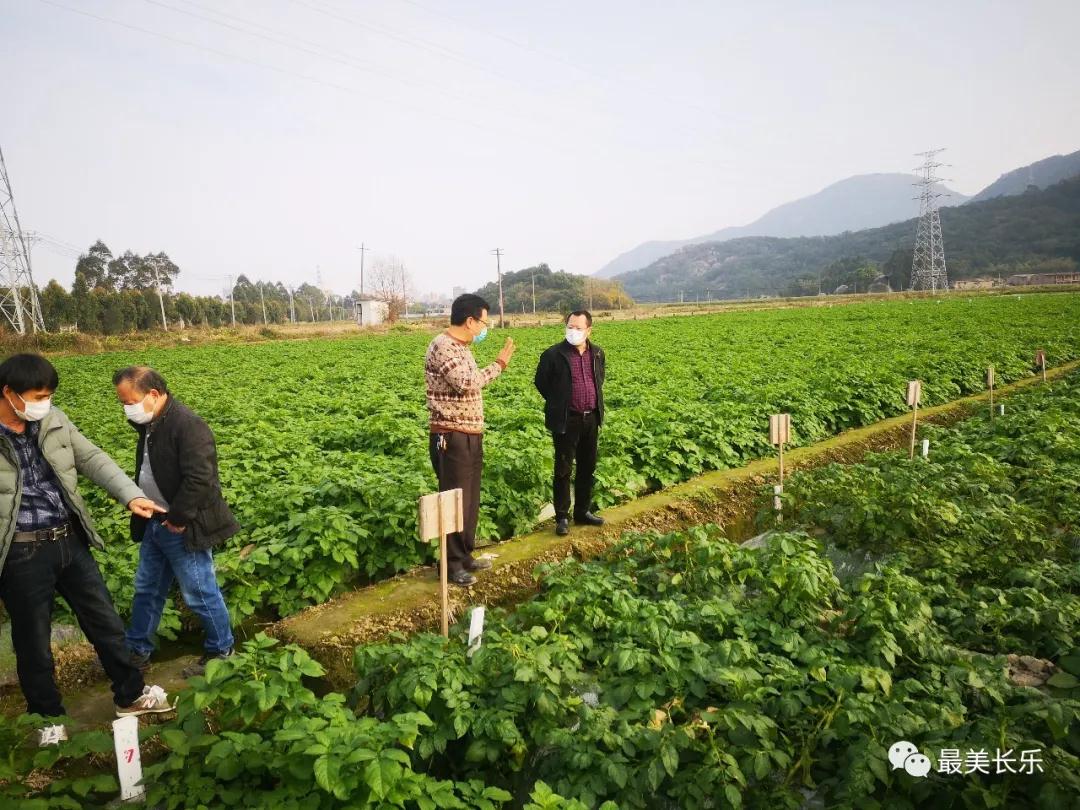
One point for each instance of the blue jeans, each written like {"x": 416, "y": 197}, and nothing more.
{"x": 163, "y": 558}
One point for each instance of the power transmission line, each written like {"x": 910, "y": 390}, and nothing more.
{"x": 498, "y": 267}
{"x": 15, "y": 273}
{"x": 928, "y": 262}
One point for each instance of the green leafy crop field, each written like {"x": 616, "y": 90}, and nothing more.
{"x": 323, "y": 442}
{"x": 858, "y": 656}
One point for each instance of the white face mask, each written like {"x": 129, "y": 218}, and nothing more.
{"x": 137, "y": 413}
{"x": 33, "y": 411}
{"x": 575, "y": 337}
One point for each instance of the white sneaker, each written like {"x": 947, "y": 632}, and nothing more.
{"x": 154, "y": 700}
{"x": 51, "y": 735}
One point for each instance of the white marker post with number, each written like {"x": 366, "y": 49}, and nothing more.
{"x": 128, "y": 761}
{"x": 476, "y": 629}
{"x": 990, "y": 382}
{"x": 441, "y": 513}
{"x": 779, "y": 435}
{"x": 914, "y": 396}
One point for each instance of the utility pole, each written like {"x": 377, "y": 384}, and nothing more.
{"x": 311, "y": 305}
{"x": 404, "y": 295}
{"x": 292, "y": 306}
{"x": 928, "y": 263}
{"x": 498, "y": 267}
{"x": 262, "y": 301}
{"x": 534, "y": 292}
{"x": 15, "y": 274}
{"x": 232, "y": 303}
{"x": 362, "y": 250}
{"x": 157, "y": 285}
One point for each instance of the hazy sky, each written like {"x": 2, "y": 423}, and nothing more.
{"x": 272, "y": 137}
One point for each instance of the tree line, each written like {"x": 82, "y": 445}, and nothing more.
{"x": 130, "y": 292}
{"x": 554, "y": 291}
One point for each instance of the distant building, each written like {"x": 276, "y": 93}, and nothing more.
{"x": 843, "y": 289}
{"x": 880, "y": 285}
{"x": 975, "y": 284}
{"x": 371, "y": 312}
{"x": 458, "y": 291}
{"x": 1039, "y": 279}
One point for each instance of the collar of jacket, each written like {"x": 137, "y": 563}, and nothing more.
{"x": 570, "y": 350}
{"x": 157, "y": 420}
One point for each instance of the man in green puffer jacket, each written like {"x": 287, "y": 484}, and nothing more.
{"x": 45, "y": 537}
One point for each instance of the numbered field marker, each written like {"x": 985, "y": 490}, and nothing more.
{"x": 914, "y": 396}
{"x": 990, "y": 382}
{"x": 925, "y": 448}
{"x": 128, "y": 760}
{"x": 1040, "y": 362}
{"x": 476, "y": 629}
{"x": 779, "y": 435}
{"x": 441, "y": 514}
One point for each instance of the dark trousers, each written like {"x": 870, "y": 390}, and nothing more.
{"x": 33, "y": 574}
{"x": 458, "y": 460}
{"x": 577, "y": 444}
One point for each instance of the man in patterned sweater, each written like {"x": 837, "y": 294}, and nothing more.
{"x": 456, "y": 404}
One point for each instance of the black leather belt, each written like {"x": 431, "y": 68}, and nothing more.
{"x": 55, "y": 533}
{"x": 581, "y": 413}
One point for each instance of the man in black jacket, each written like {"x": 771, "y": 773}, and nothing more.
{"x": 570, "y": 378}
{"x": 176, "y": 466}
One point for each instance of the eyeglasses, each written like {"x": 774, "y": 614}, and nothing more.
{"x": 478, "y": 320}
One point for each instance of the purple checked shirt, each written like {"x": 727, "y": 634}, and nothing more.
{"x": 583, "y": 391}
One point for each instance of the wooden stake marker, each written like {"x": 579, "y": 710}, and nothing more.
{"x": 990, "y": 382}
{"x": 914, "y": 397}
{"x": 779, "y": 435}
{"x": 1040, "y": 362}
{"x": 441, "y": 513}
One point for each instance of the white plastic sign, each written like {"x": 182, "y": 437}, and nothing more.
{"x": 778, "y": 490}
{"x": 128, "y": 761}
{"x": 925, "y": 448}
{"x": 476, "y": 629}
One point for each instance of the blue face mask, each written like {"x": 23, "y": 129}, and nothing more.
{"x": 481, "y": 336}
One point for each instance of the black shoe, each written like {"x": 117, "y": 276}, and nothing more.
{"x": 463, "y": 578}
{"x": 589, "y": 519}
{"x": 477, "y": 564}
{"x": 198, "y": 669}
{"x": 562, "y": 527}
{"x": 141, "y": 661}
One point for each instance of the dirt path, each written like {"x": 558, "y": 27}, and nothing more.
{"x": 408, "y": 603}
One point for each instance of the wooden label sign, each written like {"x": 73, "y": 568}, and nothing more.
{"x": 1040, "y": 358}
{"x": 914, "y": 393}
{"x": 441, "y": 514}
{"x": 990, "y": 376}
{"x": 780, "y": 428}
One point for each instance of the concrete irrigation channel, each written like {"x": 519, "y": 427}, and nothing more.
{"x": 409, "y": 603}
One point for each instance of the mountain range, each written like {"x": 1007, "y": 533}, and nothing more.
{"x": 1036, "y": 231}
{"x": 857, "y": 203}
{"x": 863, "y": 201}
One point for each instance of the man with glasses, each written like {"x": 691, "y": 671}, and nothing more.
{"x": 456, "y": 405}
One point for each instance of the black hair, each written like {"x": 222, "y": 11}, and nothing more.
{"x": 28, "y": 372}
{"x": 142, "y": 379}
{"x": 585, "y": 312}
{"x": 467, "y": 306}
